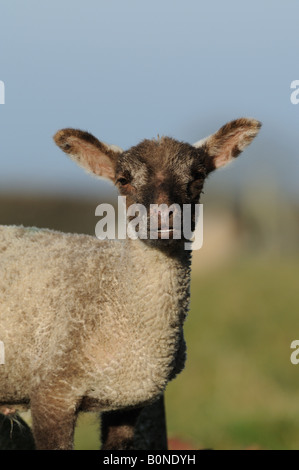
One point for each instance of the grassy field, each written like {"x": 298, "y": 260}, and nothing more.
{"x": 239, "y": 385}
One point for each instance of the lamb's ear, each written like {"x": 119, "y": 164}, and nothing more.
{"x": 94, "y": 156}
{"x": 227, "y": 143}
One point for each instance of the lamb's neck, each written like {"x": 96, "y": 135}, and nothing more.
{"x": 160, "y": 279}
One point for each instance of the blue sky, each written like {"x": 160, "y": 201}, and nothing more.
{"x": 128, "y": 70}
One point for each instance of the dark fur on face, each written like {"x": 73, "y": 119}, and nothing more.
{"x": 162, "y": 171}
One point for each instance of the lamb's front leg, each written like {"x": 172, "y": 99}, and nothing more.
{"x": 53, "y": 420}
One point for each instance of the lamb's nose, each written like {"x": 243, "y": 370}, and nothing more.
{"x": 163, "y": 217}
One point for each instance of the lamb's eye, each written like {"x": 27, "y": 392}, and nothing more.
{"x": 123, "y": 181}
{"x": 199, "y": 176}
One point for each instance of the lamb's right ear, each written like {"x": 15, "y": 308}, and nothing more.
{"x": 228, "y": 142}
{"x": 94, "y": 156}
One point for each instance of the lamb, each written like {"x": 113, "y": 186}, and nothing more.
{"x": 92, "y": 324}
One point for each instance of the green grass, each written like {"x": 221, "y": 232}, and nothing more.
{"x": 239, "y": 388}
{"x": 87, "y": 433}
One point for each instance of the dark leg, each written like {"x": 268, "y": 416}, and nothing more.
{"x": 15, "y": 434}
{"x": 139, "y": 429}
{"x": 151, "y": 431}
{"x": 118, "y": 429}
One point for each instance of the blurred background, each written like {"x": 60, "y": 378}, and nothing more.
{"x": 130, "y": 70}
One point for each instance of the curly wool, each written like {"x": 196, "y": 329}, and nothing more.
{"x": 80, "y": 324}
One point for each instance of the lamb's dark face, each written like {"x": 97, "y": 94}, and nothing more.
{"x": 163, "y": 171}
{"x": 160, "y": 172}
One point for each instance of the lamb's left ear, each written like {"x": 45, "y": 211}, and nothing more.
{"x": 227, "y": 143}
{"x": 94, "y": 156}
